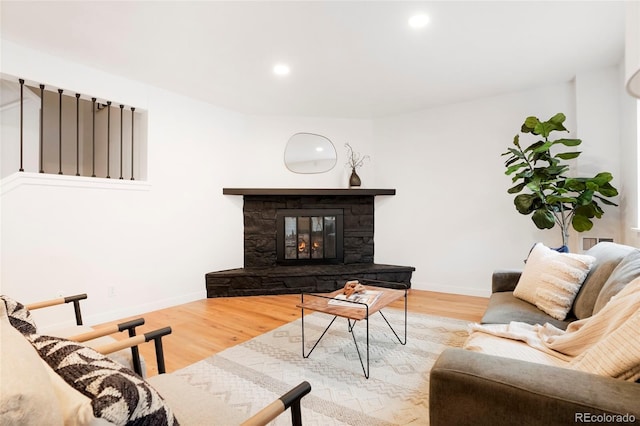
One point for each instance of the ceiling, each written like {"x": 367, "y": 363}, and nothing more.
{"x": 357, "y": 59}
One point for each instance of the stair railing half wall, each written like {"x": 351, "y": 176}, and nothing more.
{"x": 70, "y": 144}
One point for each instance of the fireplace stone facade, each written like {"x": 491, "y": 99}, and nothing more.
{"x": 263, "y": 275}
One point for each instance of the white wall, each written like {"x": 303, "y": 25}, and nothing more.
{"x": 138, "y": 246}
{"x": 598, "y": 116}
{"x": 452, "y": 218}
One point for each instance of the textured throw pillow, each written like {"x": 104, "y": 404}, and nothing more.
{"x": 551, "y": 280}
{"x": 117, "y": 394}
{"x": 26, "y": 394}
{"x": 19, "y": 316}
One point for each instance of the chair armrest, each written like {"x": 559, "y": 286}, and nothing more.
{"x": 129, "y": 326}
{"x": 59, "y": 301}
{"x": 110, "y": 329}
{"x": 289, "y": 400}
{"x": 505, "y": 280}
{"x": 155, "y": 335}
{"x": 470, "y": 388}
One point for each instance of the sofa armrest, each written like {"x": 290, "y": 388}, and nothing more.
{"x": 470, "y": 388}
{"x": 505, "y": 280}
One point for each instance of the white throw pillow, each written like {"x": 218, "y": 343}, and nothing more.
{"x": 26, "y": 394}
{"x": 551, "y": 280}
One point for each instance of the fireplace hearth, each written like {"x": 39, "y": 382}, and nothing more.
{"x": 310, "y": 240}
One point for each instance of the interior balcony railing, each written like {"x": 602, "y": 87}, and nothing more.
{"x": 56, "y": 131}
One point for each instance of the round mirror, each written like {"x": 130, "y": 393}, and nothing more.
{"x": 309, "y": 153}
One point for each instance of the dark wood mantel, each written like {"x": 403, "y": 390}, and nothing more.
{"x": 308, "y": 191}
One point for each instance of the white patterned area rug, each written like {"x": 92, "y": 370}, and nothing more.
{"x": 251, "y": 375}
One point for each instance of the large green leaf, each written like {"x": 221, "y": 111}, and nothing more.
{"x": 556, "y": 170}
{"x": 573, "y": 184}
{"x": 515, "y": 152}
{"x": 602, "y": 178}
{"x": 533, "y": 146}
{"x": 526, "y": 203}
{"x": 605, "y": 201}
{"x": 529, "y": 124}
{"x": 543, "y": 129}
{"x": 511, "y": 160}
{"x": 517, "y": 188}
{"x": 587, "y": 210}
{"x": 581, "y": 223}
{"x": 558, "y": 119}
{"x": 534, "y": 185}
{"x": 544, "y": 147}
{"x": 584, "y": 198}
{"x": 553, "y": 199}
{"x": 568, "y": 142}
{"x": 568, "y": 155}
{"x": 607, "y": 190}
{"x": 514, "y": 168}
{"x": 543, "y": 218}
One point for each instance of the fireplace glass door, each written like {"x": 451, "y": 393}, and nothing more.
{"x": 309, "y": 236}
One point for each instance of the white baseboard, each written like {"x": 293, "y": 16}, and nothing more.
{"x": 140, "y": 310}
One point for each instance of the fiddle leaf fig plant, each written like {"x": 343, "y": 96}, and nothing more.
{"x": 550, "y": 196}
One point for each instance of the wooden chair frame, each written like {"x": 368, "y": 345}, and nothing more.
{"x": 290, "y": 400}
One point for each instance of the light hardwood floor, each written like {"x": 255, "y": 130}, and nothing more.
{"x": 205, "y": 327}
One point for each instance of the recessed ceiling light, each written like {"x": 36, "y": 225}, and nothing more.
{"x": 418, "y": 21}
{"x": 281, "y": 69}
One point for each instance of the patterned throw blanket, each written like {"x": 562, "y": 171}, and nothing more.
{"x": 607, "y": 343}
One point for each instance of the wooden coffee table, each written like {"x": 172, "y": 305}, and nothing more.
{"x": 354, "y": 312}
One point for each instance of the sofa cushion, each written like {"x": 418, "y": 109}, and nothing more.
{"x": 608, "y": 256}
{"x": 19, "y": 316}
{"x": 116, "y": 393}
{"x": 551, "y": 280}
{"x": 626, "y": 271}
{"x": 504, "y": 307}
{"x": 26, "y": 394}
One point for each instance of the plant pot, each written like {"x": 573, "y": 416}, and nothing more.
{"x": 354, "y": 179}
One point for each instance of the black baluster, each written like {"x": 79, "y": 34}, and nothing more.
{"x": 21, "y": 169}
{"x": 108, "y": 138}
{"x": 41, "y": 127}
{"x": 60, "y": 131}
{"x": 93, "y": 154}
{"x": 132, "y": 119}
{"x": 77, "y": 134}
{"x": 121, "y": 138}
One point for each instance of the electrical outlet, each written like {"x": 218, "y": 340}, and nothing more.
{"x": 111, "y": 291}
{"x": 588, "y": 242}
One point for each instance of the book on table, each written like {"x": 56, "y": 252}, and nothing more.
{"x": 367, "y": 297}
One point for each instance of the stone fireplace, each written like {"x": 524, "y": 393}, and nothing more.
{"x": 305, "y": 240}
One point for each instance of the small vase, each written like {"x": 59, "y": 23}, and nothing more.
{"x": 354, "y": 179}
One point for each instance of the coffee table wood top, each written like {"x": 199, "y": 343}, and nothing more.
{"x": 320, "y": 302}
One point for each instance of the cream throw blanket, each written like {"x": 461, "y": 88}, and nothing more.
{"x": 607, "y": 343}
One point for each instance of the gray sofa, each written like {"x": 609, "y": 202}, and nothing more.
{"x": 473, "y": 388}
